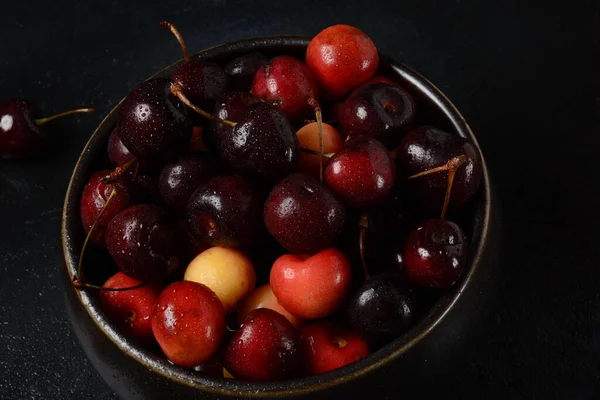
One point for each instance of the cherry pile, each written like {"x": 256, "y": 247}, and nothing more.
{"x": 254, "y": 240}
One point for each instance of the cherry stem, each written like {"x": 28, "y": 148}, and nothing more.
{"x": 41, "y": 121}
{"x": 310, "y": 121}
{"x": 120, "y": 170}
{"x": 340, "y": 342}
{"x": 77, "y": 284}
{"x": 79, "y": 277}
{"x": 364, "y": 225}
{"x": 319, "y": 115}
{"x": 316, "y": 153}
{"x": 179, "y": 38}
{"x": 176, "y": 90}
{"x": 451, "y": 166}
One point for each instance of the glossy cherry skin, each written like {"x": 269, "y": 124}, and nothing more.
{"x": 93, "y": 199}
{"x": 308, "y": 138}
{"x": 231, "y": 106}
{"x": 425, "y": 148}
{"x": 20, "y": 136}
{"x": 262, "y": 146}
{"x": 386, "y": 112}
{"x": 311, "y": 287}
{"x": 181, "y": 177}
{"x": 264, "y": 348}
{"x": 383, "y": 308}
{"x": 362, "y": 173}
{"x": 303, "y": 215}
{"x": 241, "y": 70}
{"x": 341, "y": 57}
{"x": 188, "y": 323}
{"x": 130, "y": 310}
{"x": 226, "y": 211}
{"x": 202, "y": 81}
{"x": 154, "y": 124}
{"x": 263, "y": 297}
{"x": 288, "y": 84}
{"x": 325, "y": 347}
{"x": 118, "y": 154}
{"x": 436, "y": 253}
{"x": 142, "y": 241}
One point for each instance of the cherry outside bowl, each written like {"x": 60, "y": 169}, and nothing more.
{"x": 417, "y": 359}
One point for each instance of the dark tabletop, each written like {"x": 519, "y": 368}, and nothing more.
{"x": 526, "y": 78}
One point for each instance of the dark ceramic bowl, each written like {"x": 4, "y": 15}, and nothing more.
{"x": 419, "y": 357}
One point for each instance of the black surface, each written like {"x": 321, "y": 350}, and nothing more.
{"x": 526, "y": 78}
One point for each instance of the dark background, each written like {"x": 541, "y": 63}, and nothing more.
{"x": 527, "y": 78}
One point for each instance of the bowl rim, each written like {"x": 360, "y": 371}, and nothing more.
{"x": 300, "y": 386}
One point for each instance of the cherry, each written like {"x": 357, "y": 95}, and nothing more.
{"x": 145, "y": 186}
{"x": 120, "y": 155}
{"x": 311, "y": 287}
{"x": 384, "y": 111}
{"x": 226, "y": 211}
{"x": 445, "y": 169}
{"x": 264, "y": 348}
{"x": 382, "y": 308}
{"x": 379, "y": 79}
{"x": 226, "y": 271}
{"x": 21, "y": 131}
{"x": 308, "y": 139}
{"x": 153, "y": 124}
{"x": 263, "y": 297}
{"x": 362, "y": 173}
{"x": 303, "y": 215}
{"x": 188, "y": 323}
{"x": 101, "y": 201}
{"x": 230, "y": 106}
{"x": 241, "y": 70}
{"x": 141, "y": 241}
{"x": 325, "y": 347}
{"x": 262, "y": 145}
{"x": 182, "y": 176}
{"x": 341, "y": 57}
{"x": 436, "y": 253}
{"x": 202, "y": 81}
{"x": 131, "y": 310}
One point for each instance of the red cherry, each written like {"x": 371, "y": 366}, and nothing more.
{"x": 311, "y": 287}
{"x": 131, "y": 310}
{"x": 342, "y": 57}
{"x": 188, "y": 323}
{"x": 93, "y": 201}
{"x": 265, "y": 348}
{"x": 325, "y": 347}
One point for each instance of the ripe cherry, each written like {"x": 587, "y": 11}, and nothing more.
{"x": 263, "y": 297}
{"x": 303, "y": 215}
{"x": 436, "y": 253}
{"x": 444, "y": 169}
{"x": 120, "y": 155}
{"x": 188, "y": 323}
{"x": 264, "y": 348}
{"x": 21, "y": 131}
{"x": 230, "y": 106}
{"x": 308, "y": 139}
{"x": 341, "y": 57}
{"x": 131, "y": 310}
{"x": 241, "y": 70}
{"x": 142, "y": 241}
{"x": 362, "y": 173}
{"x": 226, "y": 211}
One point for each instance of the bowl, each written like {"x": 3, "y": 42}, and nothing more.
{"x": 419, "y": 357}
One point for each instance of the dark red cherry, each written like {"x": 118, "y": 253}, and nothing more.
{"x": 288, "y": 84}
{"x": 21, "y": 131}
{"x": 202, "y": 81}
{"x": 94, "y": 198}
{"x": 120, "y": 155}
{"x": 226, "y": 211}
{"x": 425, "y": 149}
{"x": 181, "y": 177}
{"x": 386, "y": 112}
{"x": 231, "y": 106}
{"x": 362, "y": 173}
{"x": 153, "y": 124}
{"x": 436, "y": 253}
{"x": 262, "y": 145}
{"x": 142, "y": 241}
{"x": 241, "y": 70}
{"x": 303, "y": 215}
{"x": 145, "y": 186}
